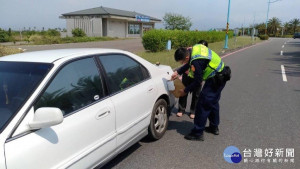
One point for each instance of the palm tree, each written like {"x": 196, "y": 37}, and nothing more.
{"x": 273, "y": 24}
{"x": 261, "y": 28}
{"x": 286, "y": 27}
{"x": 295, "y": 22}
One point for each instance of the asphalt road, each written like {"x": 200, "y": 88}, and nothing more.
{"x": 258, "y": 111}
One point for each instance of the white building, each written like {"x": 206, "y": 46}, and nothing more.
{"x": 110, "y": 22}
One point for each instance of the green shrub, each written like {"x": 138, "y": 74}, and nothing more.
{"x": 53, "y": 39}
{"x": 156, "y": 40}
{"x": 271, "y": 35}
{"x": 263, "y": 37}
{"x": 85, "y": 39}
{"x": 45, "y": 39}
{"x": 287, "y": 36}
{"x": 52, "y": 32}
{"x": 36, "y": 39}
{"x": 40, "y": 40}
{"x": 3, "y": 36}
{"x": 77, "y": 32}
{"x": 29, "y": 33}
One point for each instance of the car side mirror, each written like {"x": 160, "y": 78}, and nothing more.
{"x": 46, "y": 117}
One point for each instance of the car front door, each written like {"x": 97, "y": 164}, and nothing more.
{"x": 133, "y": 95}
{"x": 86, "y": 136}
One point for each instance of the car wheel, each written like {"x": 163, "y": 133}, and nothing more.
{"x": 159, "y": 120}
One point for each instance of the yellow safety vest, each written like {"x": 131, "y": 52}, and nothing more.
{"x": 202, "y": 52}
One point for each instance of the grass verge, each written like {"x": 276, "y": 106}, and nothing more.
{"x": 167, "y": 57}
{"x": 8, "y": 51}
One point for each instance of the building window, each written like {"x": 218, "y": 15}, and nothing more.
{"x": 133, "y": 29}
{"x": 147, "y": 28}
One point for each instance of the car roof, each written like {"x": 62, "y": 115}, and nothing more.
{"x": 50, "y": 56}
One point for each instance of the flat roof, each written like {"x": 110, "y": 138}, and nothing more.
{"x": 108, "y": 11}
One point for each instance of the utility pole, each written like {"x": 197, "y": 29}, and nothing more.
{"x": 268, "y": 14}
{"x": 253, "y": 29}
{"x": 227, "y": 27}
{"x": 21, "y": 34}
{"x": 243, "y": 27}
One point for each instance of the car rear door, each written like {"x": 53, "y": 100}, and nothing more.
{"x": 87, "y": 135}
{"x": 133, "y": 95}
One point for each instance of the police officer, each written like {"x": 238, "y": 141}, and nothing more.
{"x": 186, "y": 80}
{"x": 203, "y": 65}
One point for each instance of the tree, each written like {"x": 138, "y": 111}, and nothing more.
{"x": 286, "y": 27}
{"x": 3, "y": 36}
{"x": 261, "y": 28}
{"x": 174, "y": 21}
{"x": 9, "y": 32}
{"x": 295, "y": 22}
{"x": 273, "y": 24}
{"x": 53, "y": 32}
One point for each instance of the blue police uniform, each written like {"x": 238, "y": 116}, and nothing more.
{"x": 208, "y": 103}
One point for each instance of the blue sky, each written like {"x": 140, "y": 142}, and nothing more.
{"x": 204, "y": 14}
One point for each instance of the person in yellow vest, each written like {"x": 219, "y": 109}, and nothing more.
{"x": 186, "y": 80}
{"x": 203, "y": 65}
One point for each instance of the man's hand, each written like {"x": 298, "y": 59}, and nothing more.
{"x": 182, "y": 93}
{"x": 174, "y": 75}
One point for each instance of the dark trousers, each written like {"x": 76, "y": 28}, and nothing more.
{"x": 208, "y": 106}
{"x": 186, "y": 80}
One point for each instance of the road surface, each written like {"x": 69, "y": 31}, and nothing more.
{"x": 259, "y": 110}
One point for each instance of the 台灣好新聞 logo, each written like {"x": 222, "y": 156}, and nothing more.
{"x": 232, "y": 154}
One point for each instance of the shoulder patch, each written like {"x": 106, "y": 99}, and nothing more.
{"x": 193, "y": 68}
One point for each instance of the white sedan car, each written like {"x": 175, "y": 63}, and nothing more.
{"x": 78, "y": 108}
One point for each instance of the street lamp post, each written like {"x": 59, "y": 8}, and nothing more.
{"x": 268, "y": 14}
{"x": 227, "y": 27}
{"x": 253, "y": 29}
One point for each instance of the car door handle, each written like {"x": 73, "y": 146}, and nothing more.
{"x": 102, "y": 114}
{"x": 150, "y": 89}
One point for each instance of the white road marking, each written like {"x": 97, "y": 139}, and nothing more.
{"x": 283, "y": 74}
{"x": 282, "y": 46}
{"x": 281, "y": 53}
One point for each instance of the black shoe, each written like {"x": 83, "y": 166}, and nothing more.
{"x": 213, "y": 130}
{"x": 193, "y": 136}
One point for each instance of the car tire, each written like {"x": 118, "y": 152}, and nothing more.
{"x": 159, "y": 120}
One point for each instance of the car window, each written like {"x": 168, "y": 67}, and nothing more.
{"x": 76, "y": 85}
{"x": 17, "y": 82}
{"x": 122, "y": 71}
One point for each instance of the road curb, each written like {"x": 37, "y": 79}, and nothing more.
{"x": 241, "y": 49}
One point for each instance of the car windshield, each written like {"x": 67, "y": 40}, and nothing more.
{"x": 17, "y": 82}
